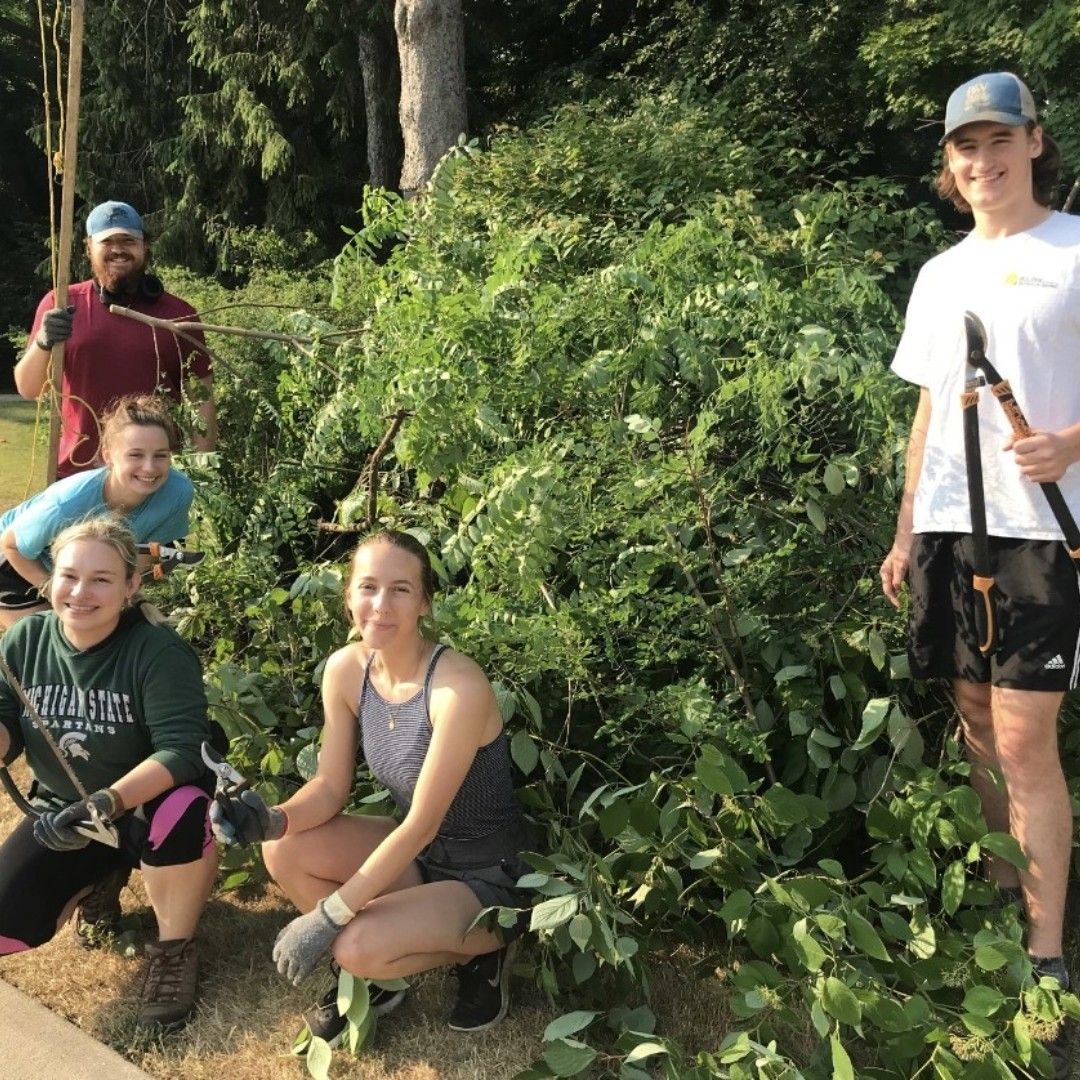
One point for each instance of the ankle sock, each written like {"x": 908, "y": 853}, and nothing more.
{"x": 1052, "y": 966}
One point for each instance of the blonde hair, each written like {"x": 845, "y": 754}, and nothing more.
{"x": 144, "y": 410}
{"x": 113, "y": 533}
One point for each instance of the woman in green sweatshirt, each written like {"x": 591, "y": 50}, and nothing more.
{"x": 122, "y": 699}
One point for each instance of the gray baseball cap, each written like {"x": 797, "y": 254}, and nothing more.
{"x": 998, "y": 96}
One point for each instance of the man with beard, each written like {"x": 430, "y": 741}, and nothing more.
{"x": 108, "y": 356}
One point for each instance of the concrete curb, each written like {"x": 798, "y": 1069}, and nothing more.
{"x": 36, "y": 1044}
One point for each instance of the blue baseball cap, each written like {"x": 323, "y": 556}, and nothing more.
{"x": 998, "y": 96}
{"x": 113, "y": 217}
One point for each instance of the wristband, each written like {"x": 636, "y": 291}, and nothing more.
{"x": 337, "y": 911}
{"x": 108, "y": 802}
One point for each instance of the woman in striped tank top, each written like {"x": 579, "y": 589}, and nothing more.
{"x": 389, "y": 897}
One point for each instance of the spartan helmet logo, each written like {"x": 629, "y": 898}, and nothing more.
{"x": 117, "y": 216}
{"x": 977, "y": 98}
{"x": 71, "y": 745}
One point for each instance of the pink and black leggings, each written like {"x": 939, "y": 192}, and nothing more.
{"x": 36, "y": 884}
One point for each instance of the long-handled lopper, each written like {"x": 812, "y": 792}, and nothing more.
{"x": 983, "y": 576}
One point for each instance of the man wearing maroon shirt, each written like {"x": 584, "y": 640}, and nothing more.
{"x": 109, "y": 355}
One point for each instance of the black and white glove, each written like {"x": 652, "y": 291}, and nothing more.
{"x": 55, "y": 326}
{"x": 245, "y": 819}
{"x": 55, "y": 829}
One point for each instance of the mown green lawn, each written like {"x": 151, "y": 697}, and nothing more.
{"x": 22, "y": 470}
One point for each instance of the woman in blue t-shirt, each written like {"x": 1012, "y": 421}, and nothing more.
{"x": 137, "y": 484}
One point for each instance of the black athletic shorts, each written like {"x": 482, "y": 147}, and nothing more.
{"x": 1037, "y": 613}
{"x": 490, "y": 866}
{"x": 16, "y": 593}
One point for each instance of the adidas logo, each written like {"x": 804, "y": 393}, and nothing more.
{"x": 1054, "y": 664}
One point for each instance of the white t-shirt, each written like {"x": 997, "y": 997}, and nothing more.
{"x": 1026, "y": 290}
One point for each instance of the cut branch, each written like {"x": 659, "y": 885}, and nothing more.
{"x": 373, "y": 465}
{"x": 239, "y": 331}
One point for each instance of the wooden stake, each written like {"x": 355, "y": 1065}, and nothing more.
{"x": 67, "y": 222}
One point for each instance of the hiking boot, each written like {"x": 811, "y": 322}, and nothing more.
{"x": 483, "y": 995}
{"x": 97, "y": 918}
{"x": 168, "y": 992}
{"x": 325, "y": 1022}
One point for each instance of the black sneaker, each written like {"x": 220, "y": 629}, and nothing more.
{"x": 325, "y": 1022}
{"x": 483, "y": 995}
{"x": 97, "y": 918}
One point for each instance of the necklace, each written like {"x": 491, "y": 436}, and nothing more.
{"x": 392, "y": 722}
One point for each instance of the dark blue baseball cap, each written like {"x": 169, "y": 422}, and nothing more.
{"x": 113, "y": 217}
{"x": 998, "y": 96}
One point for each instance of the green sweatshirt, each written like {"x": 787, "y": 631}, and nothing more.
{"x": 136, "y": 695}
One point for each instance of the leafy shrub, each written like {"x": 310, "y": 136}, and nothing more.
{"x": 648, "y": 433}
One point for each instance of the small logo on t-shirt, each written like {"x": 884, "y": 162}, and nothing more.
{"x": 1013, "y": 278}
{"x": 71, "y": 745}
{"x": 1055, "y": 663}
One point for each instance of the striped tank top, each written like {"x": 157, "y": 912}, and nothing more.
{"x": 395, "y": 739}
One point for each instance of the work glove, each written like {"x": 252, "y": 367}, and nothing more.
{"x": 55, "y": 326}
{"x": 302, "y": 943}
{"x": 245, "y": 819}
{"x": 55, "y": 829}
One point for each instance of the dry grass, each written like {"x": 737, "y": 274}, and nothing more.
{"x": 247, "y": 1015}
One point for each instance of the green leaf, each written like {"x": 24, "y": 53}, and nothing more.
{"x": 839, "y": 1001}
{"x": 834, "y": 479}
{"x": 786, "y": 806}
{"x": 991, "y": 956}
{"x": 874, "y": 716}
{"x": 923, "y": 943}
{"x": 524, "y": 752}
{"x": 953, "y": 884}
{"x": 568, "y": 1024}
{"x": 645, "y": 1050}
{"x": 319, "y": 1056}
{"x": 813, "y": 956}
{"x": 841, "y": 1062}
{"x": 1004, "y": 847}
{"x": 814, "y": 513}
{"x": 549, "y": 914}
{"x": 866, "y": 938}
{"x": 568, "y": 1057}
{"x": 983, "y": 1000}
{"x": 580, "y": 933}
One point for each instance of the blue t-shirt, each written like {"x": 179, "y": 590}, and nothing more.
{"x": 162, "y": 516}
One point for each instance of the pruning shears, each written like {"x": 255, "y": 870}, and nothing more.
{"x": 164, "y": 558}
{"x": 229, "y": 780}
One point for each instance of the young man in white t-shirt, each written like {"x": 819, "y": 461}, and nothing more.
{"x": 1019, "y": 272}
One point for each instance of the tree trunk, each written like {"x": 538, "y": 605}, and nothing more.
{"x": 379, "y": 70}
{"x": 431, "y": 51}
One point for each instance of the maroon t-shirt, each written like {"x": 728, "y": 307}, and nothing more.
{"x": 108, "y": 356}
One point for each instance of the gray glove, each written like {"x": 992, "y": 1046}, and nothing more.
{"x": 55, "y": 829}
{"x": 245, "y": 819}
{"x": 302, "y": 943}
{"x": 55, "y": 326}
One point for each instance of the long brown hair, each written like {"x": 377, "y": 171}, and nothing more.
{"x": 1045, "y": 176}
{"x": 406, "y": 542}
{"x": 144, "y": 410}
